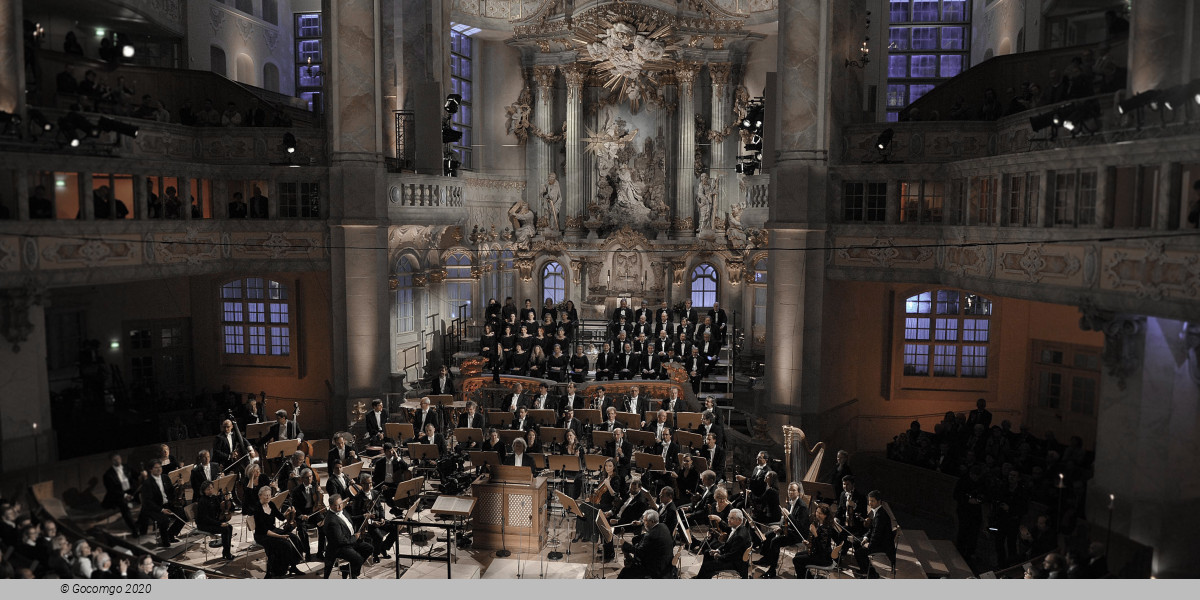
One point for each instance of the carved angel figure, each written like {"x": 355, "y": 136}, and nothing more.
{"x": 522, "y": 219}
{"x": 552, "y": 198}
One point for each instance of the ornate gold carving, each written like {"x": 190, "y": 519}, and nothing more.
{"x": 719, "y": 72}
{"x": 543, "y": 75}
{"x": 525, "y": 268}
{"x": 577, "y": 267}
{"x": 543, "y": 45}
{"x": 735, "y": 270}
{"x": 685, "y": 73}
{"x": 575, "y": 74}
{"x": 420, "y": 279}
{"x": 437, "y": 276}
{"x": 685, "y": 224}
{"x": 575, "y": 222}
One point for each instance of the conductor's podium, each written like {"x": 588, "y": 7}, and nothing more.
{"x": 510, "y": 511}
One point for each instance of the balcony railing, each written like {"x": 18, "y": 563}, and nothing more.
{"x": 426, "y": 190}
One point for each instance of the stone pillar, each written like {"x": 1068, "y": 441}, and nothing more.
{"x": 685, "y": 176}
{"x": 22, "y": 193}
{"x": 12, "y": 57}
{"x": 1157, "y": 40}
{"x": 720, "y": 163}
{"x": 543, "y": 156}
{"x": 576, "y": 206}
{"x": 1146, "y": 432}
{"x": 358, "y": 212}
{"x": 796, "y": 218}
{"x": 25, "y": 431}
{"x": 141, "y": 199}
{"x": 220, "y": 199}
{"x": 87, "y": 208}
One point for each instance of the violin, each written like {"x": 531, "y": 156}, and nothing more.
{"x": 600, "y": 491}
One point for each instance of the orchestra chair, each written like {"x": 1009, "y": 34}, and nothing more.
{"x": 190, "y": 511}
{"x": 742, "y": 571}
{"x": 331, "y": 562}
{"x": 825, "y": 572}
{"x": 786, "y": 554}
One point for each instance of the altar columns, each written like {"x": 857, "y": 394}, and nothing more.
{"x": 12, "y": 57}
{"x": 575, "y": 204}
{"x": 720, "y": 164}
{"x": 685, "y": 176}
{"x": 543, "y": 156}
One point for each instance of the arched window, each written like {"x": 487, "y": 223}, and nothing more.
{"x": 704, "y": 285}
{"x": 245, "y": 69}
{"x": 458, "y": 286}
{"x": 256, "y": 317}
{"x": 946, "y": 334}
{"x": 270, "y": 80}
{"x": 270, "y": 11}
{"x": 405, "y": 305}
{"x": 553, "y": 284}
{"x": 216, "y": 61}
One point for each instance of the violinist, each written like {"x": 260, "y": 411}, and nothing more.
{"x": 212, "y": 516}
{"x": 281, "y": 545}
{"x": 228, "y": 446}
{"x": 608, "y": 493}
{"x": 203, "y": 472}
{"x": 367, "y": 504}
{"x": 638, "y": 502}
{"x": 253, "y": 481}
{"x": 852, "y": 507}
{"x": 337, "y": 482}
{"x": 572, "y": 447}
{"x": 342, "y": 451}
{"x": 532, "y": 444}
{"x": 822, "y": 534}
{"x": 666, "y": 507}
{"x": 702, "y": 505}
{"x": 714, "y": 453}
{"x": 290, "y": 471}
{"x": 620, "y": 450}
{"x": 345, "y": 540}
{"x": 764, "y": 507}
{"x": 686, "y": 479}
{"x": 389, "y": 470}
{"x": 718, "y": 514}
{"x": 375, "y": 421}
{"x": 164, "y": 457}
{"x": 729, "y": 554}
{"x": 878, "y": 536}
{"x": 159, "y": 505}
{"x": 304, "y": 500}
{"x": 793, "y": 522}
{"x": 649, "y": 556}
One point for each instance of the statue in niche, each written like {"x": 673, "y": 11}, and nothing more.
{"x": 552, "y": 199}
{"x": 629, "y": 204}
{"x": 608, "y": 143}
{"x": 706, "y": 200}
{"x": 522, "y": 218}
{"x": 734, "y": 231}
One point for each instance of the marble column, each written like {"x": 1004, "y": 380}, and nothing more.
{"x": 12, "y": 57}
{"x": 685, "y": 176}
{"x": 1158, "y": 40}
{"x": 358, "y": 210}
{"x": 796, "y": 217}
{"x": 720, "y": 163}
{"x": 576, "y": 206}
{"x": 1147, "y": 439}
{"x": 543, "y": 151}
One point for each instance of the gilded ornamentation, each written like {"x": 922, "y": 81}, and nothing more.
{"x": 632, "y": 51}
{"x": 436, "y": 276}
{"x": 525, "y": 268}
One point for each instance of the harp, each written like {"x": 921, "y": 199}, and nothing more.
{"x": 803, "y": 462}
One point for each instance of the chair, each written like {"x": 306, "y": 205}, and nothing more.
{"x": 742, "y": 571}
{"x": 815, "y": 571}
{"x": 190, "y": 511}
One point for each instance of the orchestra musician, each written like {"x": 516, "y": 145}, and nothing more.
{"x": 601, "y": 402}
{"x": 212, "y": 516}
{"x": 841, "y": 469}
{"x": 651, "y": 557}
{"x": 281, "y": 545}
{"x": 685, "y": 479}
{"x": 572, "y": 447}
{"x": 290, "y": 471}
{"x": 471, "y": 419}
{"x": 282, "y": 429}
{"x": 821, "y": 536}
{"x": 159, "y": 505}
{"x": 304, "y": 499}
{"x": 729, "y": 554}
{"x": 718, "y": 514}
{"x": 659, "y": 425}
{"x": 611, "y": 424}
{"x": 119, "y": 491}
{"x": 443, "y": 383}
{"x": 756, "y": 481}
{"x": 620, "y": 450}
{"x": 337, "y": 482}
{"x": 522, "y": 420}
{"x": 228, "y": 446}
{"x": 345, "y": 540}
{"x": 389, "y": 470}
{"x": 429, "y": 435}
{"x": 519, "y": 458}
{"x": 368, "y": 505}
{"x": 204, "y": 471}
{"x": 667, "y": 513}
{"x": 570, "y": 400}
{"x": 764, "y": 507}
{"x": 532, "y": 444}
{"x": 852, "y": 507}
{"x": 702, "y": 504}
{"x": 714, "y": 453}
{"x": 342, "y": 451}
{"x": 634, "y": 403}
{"x": 669, "y": 451}
{"x": 164, "y": 457}
{"x": 542, "y": 401}
{"x": 494, "y": 444}
{"x": 426, "y": 416}
{"x": 253, "y": 410}
{"x": 793, "y": 521}
{"x": 375, "y": 420}
{"x": 253, "y": 480}
{"x": 570, "y": 423}
{"x": 620, "y": 518}
{"x": 709, "y": 424}
{"x": 516, "y": 400}
{"x": 878, "y": 536}
{"x": 609, "y": 492}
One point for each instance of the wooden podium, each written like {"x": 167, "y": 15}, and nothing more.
{"x": 520, "y": 502}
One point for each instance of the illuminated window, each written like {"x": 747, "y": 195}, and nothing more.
{"x": 405, "y": 304}
{"x": 309, "y": 59}
{"x": 947, "y": 333}
{"x": 927, "y": 44}
{"x": 458, "y": 286}
{"x": 704, "y": 285}
{"x": 462, "y": 51}
{"x": 553, "y": 284}
{"x": 256, "y": 317}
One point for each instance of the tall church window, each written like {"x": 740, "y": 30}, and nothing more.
{"x": 256, "y": 317}
{"x": 553, "y": 284}
{"x": 462, "y": 52}
{"x": 947, "y": 333}
{"x": 704, "y": 285}
{"x": 458, "y": 286}
{"x": 405, "y": 303}
{"x": 928, "y": 42}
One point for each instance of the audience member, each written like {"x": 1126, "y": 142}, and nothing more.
{"x": 71, "y": 44}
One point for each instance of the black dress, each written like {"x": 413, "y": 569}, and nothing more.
{"x": 282, "y": 552}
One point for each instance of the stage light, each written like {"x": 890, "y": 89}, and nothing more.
{"x": 453, "y": 101}
{"x": 450, "y": 135}
{"x": 289, "y": 143}
{"x": 885, "y": 139}
{"x": 450, "y": 167}
{"x": 75, "y": 127}
{"x": 127, "y": 50}
{"x": 125, "y": 129}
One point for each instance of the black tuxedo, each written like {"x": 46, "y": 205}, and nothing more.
{"x": 671, "y": 329}
{"x": 852, "y": 519}
{"x": 642, "y": 405}
{"x": 522, "y": 400}
{"x": 344, "y": 545}
{"x": 652, "y": 367}
{"x": 198, "y": 479}
{"x": 729, "y": 555}
{"x": 208, "y": 518}
{"x": 627, "y": 364}
{"x": 605, "y": 365}
{"x": 696, "y": 368}
{"x": 442, "y": 388}
{"x": 375, "y": 423}
{"x": 526, "y": 459}
{"x": 620, "y": 312}
{"x": 523, "y": 425}
{"x": 565, "y": 402}
{"x": 342, "y": 455}
{"x": 641, "y": 328}
{"x": 476, "y": 422}
{"x": 574, "y": 425}
{"x": 786, "y": 535}
{"x": 153, "y": 504}
{"x": 720, "y": 322}
{"x": 661, "y": 346}
{"x": 652, "y": 555}
{"x": 717, "y": 429}
{"x": 672, "y": 458}
{"x": 114, "y": 496}
{"x": 420, "y": 419}
{"x": 399, "y": 471}
{"x": 879, "y": 537}
{"x": 222, "y": 452}
{"x": 549, "y": 404}
{"x": 335, "y": 486}
{"x": 690, "y": 314}
{"x": 710, "y": 350}
{"x": 273, "y": 435}
{"x": 716, "y": 460}
{"x": 622, "y": 463}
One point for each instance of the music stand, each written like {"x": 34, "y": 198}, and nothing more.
{"x": 320, "y": 448}
{"x": 637, "y": 437}
{"x": 226, "y": 483}
{"x": 407, "y": 489}
{"x": 687, "y": 439}
{"x": 606, "y": 529}
{"x": 589, "y": 416}
{"x": 352, "y": 470}
{"x": 278, "y": 499}
{"x": 594, "y": 462}
{"x": 564, "y": 462}
{"x": 398, "y": 431}
{"x": 553, "y": 435}
{"x": 441, "y": 400}
{"x": 491, "y": 458}
{"x": 649, "y": 462}
{"x": 508, "y": 435}
{"x": 544, "y": 417}
{"x": 466, "y": 435}
{"x": 569, "y": 505}
{"x": 424, "y": 452}
{"x": 650, "y": 416}
{"x": 631, "y": 420}
{"x": 601, "y": 438}
{"x": 281, "y": 448}
{"x": 539, "y": 460}
{"x": 511, "y": 474}
{"x": 498, "y": 418}
{"x": 700, "y": 464}
{"x": 688, "y": 420}
{"x": 257, "y": 431}
{"x": 180, "y": 476}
